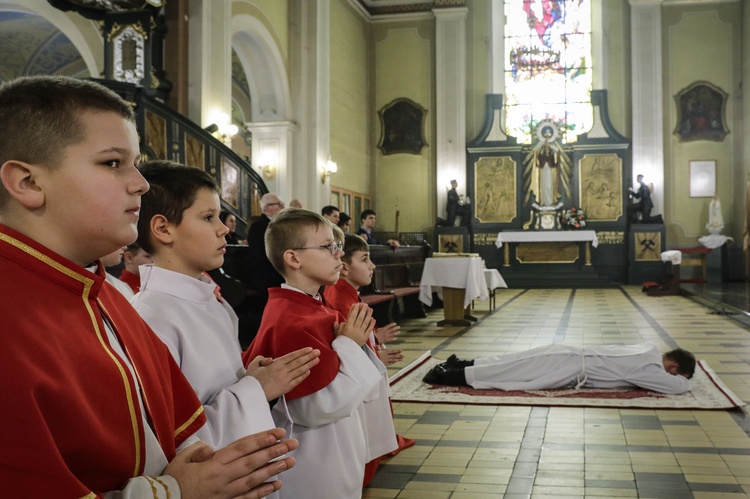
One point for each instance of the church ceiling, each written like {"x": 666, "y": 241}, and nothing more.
{"x": 29, "y": 44}
{"x": 392, "y": 7}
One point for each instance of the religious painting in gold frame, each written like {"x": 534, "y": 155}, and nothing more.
{"x": 701, "y": 112}
{"x": 255, "y": 196}
{"x": 495, "y": 189}
{"x": 156, "y": 134}
{"x": 402, "y": 124}
{"x": 600, "y": 187}
{"x": 230, "y": 183}
{"x": 647, "y": 246}
{"x": 194, "y": 152}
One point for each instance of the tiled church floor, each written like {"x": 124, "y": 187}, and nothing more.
{"x": 474, "y": 452}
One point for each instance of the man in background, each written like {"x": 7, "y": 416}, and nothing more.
{"x": 331, "y": 213}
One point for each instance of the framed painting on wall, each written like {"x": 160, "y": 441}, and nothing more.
{"x": 701, "y": 112}
{"x": 230, "y": 183}
{"x": 495, "y": 189}
{"x": 702, "y": 179}
{"x": 402, "y": 127}
{"x": 600, "y": 186}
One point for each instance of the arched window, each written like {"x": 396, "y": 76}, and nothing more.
{"x": 548, "y": 73}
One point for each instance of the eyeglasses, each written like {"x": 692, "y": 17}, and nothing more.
{"x": 332, "y": 247}
{"x": 280, "y": 203}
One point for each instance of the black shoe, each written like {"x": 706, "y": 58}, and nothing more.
{"x": 436, "y": 375}
{"x": 454, "y": 361}
{"x": 442, "y": 374}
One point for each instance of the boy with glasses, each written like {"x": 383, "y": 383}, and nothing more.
{"x": 328, "y": 407}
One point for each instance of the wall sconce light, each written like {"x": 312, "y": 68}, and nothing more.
{"x": 329, "y": 169}
{"x": 222, "y": 127}
{"x": 268, "y": 171}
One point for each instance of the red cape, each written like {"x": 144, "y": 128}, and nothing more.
{"x": 131, "y": 279}
{"x": 71, "y": 422}
{"x": 341, "y": 296}
{"x": 294, "y": 320}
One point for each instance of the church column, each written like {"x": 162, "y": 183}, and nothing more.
{"x": 272, "y": 146}
{"x": 450, "y": 107}
{"x": 497, "y": 54}
{"x": 210, "y": 68}
{"x": 310, "y": 89}
{"x": 648, "y": 113}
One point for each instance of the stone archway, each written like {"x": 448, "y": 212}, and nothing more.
{"x": 270, "y": 102}
{"x": 82, "y": 33}
{"x": 264, "y": 68}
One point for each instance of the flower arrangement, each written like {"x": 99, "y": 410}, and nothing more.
{"x": 573, "y": 218}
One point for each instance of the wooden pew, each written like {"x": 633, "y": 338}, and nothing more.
{"x": 398, "y": 271}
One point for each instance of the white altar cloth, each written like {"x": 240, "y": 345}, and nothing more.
{"x": 674, "y": 256}
{"x": 714, "y": 241}
{"x": 494, "y": 279}
{"x": 540, "y": 236}
{"x": 456, "y": 272}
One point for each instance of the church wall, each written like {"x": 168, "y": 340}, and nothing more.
{"x": 404, "y": 67}
{"x": 616, "y": 66}
{"x": 701, "y": 43}
{"x": 274, "y": 15}
{"x": 350, "y": 110}
{"x": 478, "y": 64}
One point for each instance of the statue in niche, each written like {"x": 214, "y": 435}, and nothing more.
{"x": 547, "y": 176}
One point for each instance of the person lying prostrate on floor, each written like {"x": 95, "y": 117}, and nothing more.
{"x": 559, "y": 366}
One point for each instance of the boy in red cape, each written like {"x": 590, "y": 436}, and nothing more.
{"x": 93, "y": 402}
{"x": 327, "y": 409}
{"x": 356, "y": 271}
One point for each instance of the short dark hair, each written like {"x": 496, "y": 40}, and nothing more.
{"x": 685, "y": 361}
{"x": 223, "y": 215}
{"x": 343, "y": 219}
{"x": 328, "y": 210}
{"x": 353, "y": 244}
{"x": 366, "y": 214}
{"x": 287, "y": 231}
{"x": 42, "y": 116}
{"x": 174, "y": 188}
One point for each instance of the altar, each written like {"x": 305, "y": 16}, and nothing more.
{"x": 546, "y": 246}
{"x": 550, "y": 206}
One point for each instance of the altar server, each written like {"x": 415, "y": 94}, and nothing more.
{"x": 327, "y": 407}
{"x": 93, "y": 403}
{"x": 180, "y": 227}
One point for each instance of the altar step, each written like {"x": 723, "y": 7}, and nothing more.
{"x": 543, "y": 276}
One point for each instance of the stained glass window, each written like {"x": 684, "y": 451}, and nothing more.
{"x": 548, "y": 72}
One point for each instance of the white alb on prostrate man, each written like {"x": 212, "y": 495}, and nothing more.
{"x": 558, "y": 366}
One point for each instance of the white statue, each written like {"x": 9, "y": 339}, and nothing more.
{"x": 715, "y": 220}
{"x": 548, "y": 167}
